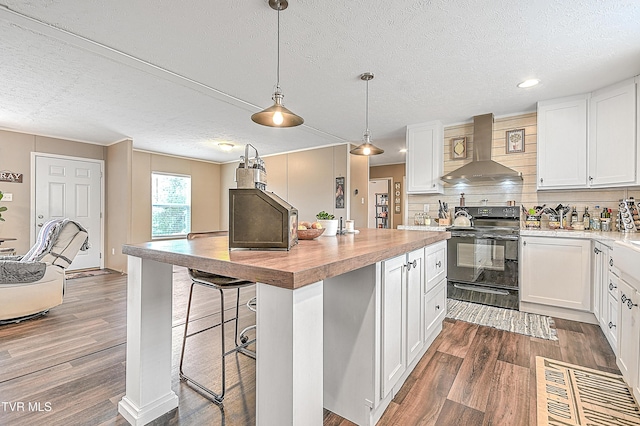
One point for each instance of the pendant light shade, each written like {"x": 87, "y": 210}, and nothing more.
{"x": 277, "y": 115}
{"x": 367, "y": 148}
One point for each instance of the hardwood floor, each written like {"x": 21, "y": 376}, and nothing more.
{"x": 68, "y": 367}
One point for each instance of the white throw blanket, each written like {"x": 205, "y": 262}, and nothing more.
{"x": 47, "y": 238}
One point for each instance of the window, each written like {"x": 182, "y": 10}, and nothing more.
{"x": 170, "y": 205}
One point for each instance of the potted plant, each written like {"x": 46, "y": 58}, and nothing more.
{"x": 3, "y": 208}
{"x": 328, "y": 222}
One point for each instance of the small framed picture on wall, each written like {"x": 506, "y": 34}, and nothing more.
{"x": 458, "y": 148}
{"x": 515, "y": 141}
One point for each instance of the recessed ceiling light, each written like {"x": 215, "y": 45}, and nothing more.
{"x": 226, "y": 146}
{"x": 403, "y": 150}
{"x": 529, "y": 83}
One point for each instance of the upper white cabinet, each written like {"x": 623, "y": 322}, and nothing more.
{"x": 562, "y": 138}
{"x": 589, "y": 141}
{"x": 425, "y": 158}
{"x": 612, "y": 136}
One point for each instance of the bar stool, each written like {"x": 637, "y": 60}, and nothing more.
{"x": 220, "y": 283}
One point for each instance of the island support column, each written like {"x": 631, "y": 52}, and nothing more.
{"x": 289, "y": 370}
{"x": 148, "y": 392}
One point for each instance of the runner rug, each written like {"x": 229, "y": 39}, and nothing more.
{"x": 572, "y": 395}
{"x": 89, "y": 273}
{"x": 503, "y": 319}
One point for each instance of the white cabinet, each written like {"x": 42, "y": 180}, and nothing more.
{"x": 415, "y": 280}
{"x": 556, "y": 272}
{"x": 612, "y": 136}
{"x": 627, "y": 270}
{"x": 600, "y": 281}
{"x": 589, "y": 141}
{"x": 435, "y": 288}
{"x": 402, "y": 340}
{"x": 562, "y": 138}
{"x": 425, "y": 158}
{"x": 436, "y": 264}
{"x": 393, "y": 325}
{"x": 610, "y": 310}
{"x": 374, "y": 332}
{"x": 628, "y": 332}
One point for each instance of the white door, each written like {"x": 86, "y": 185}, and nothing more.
{"x": 66, "y": 188}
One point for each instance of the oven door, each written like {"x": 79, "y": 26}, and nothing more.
{"x": 483, "y": 259}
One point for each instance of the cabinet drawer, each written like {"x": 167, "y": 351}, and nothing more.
{"x": 436, "y": 264}
{"x": 612, "y": 285}
{"x": 435, "y": 306}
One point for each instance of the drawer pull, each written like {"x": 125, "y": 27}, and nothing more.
{"x": 611, "y": 325}
{"x": 439, "y": 264}
{"x": 611, "y": 286}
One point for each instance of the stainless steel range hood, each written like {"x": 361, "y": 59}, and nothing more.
{"x": 482, "y": 168}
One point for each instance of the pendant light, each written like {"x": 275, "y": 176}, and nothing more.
{"x": 277, "y": 115}
{"x": 367, "y": 148}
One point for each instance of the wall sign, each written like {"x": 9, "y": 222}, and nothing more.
{"x": 7, "y": 176}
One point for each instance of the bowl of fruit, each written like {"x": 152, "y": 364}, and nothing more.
{"x": 309, "y": 231}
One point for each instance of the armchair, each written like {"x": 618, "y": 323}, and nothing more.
{"x": 32, "y": 284}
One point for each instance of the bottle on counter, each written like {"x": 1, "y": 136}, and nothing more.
{"x": 574, "y": 215}
{"x": 586, "y": 218}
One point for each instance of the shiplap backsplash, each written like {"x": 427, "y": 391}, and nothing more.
{"x": 525, "y": 162}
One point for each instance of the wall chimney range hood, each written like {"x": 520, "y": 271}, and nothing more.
{"x": 482, "y": 168}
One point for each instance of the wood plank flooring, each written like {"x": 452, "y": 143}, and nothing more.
{"x": 70, "y": 366}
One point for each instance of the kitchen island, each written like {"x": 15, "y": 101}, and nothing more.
{"x": 291, "y": 314}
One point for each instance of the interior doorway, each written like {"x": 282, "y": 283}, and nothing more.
{"x": 379, "y": 211}
{"x": 70, "y": 187}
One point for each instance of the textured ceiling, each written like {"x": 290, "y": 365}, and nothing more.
{"x": 178, "y": 77}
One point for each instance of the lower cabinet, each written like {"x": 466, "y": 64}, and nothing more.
{"x": 402, "y": 340}
{"x": 629, "y": 331}
{"x": 554, "y": 272}
{"x": 435, "y": 308}
{"x": 378, "y": 322}
{"x": 609, "y": 311}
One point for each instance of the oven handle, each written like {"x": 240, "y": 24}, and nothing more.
{"x": 488, "y": 237}
{"x": 481, "y": 289}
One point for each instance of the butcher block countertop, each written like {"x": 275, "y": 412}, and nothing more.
{"x": 307, "y": 262}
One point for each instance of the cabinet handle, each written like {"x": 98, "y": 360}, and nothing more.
{"x": 610, "y": 261}
{"x": 541, "y": 181}
{"x": 624, "y": 298}
{"x": 611, "y": 325}
{"x": 596, "y": 250}
{"x": 414, "y": 263}
{"x": 524, "y": 243}
{"x": 437, "y": 306}
{"x": 438, "y": 264}
{"x": 630, "y": 304}
{"x": 611, "y": 286}
{"x": 590, "y": 178}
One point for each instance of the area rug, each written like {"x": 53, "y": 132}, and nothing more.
{"x": 90, "y": 273}
{"x": 572, "y": 395}
{"x": 503, "y": 319}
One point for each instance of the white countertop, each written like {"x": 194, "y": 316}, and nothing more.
{"x": 422, "y": 228}
{"x": 605, "y": 237}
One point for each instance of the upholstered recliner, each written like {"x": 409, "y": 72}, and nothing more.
{"x": 32, "y": 284}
